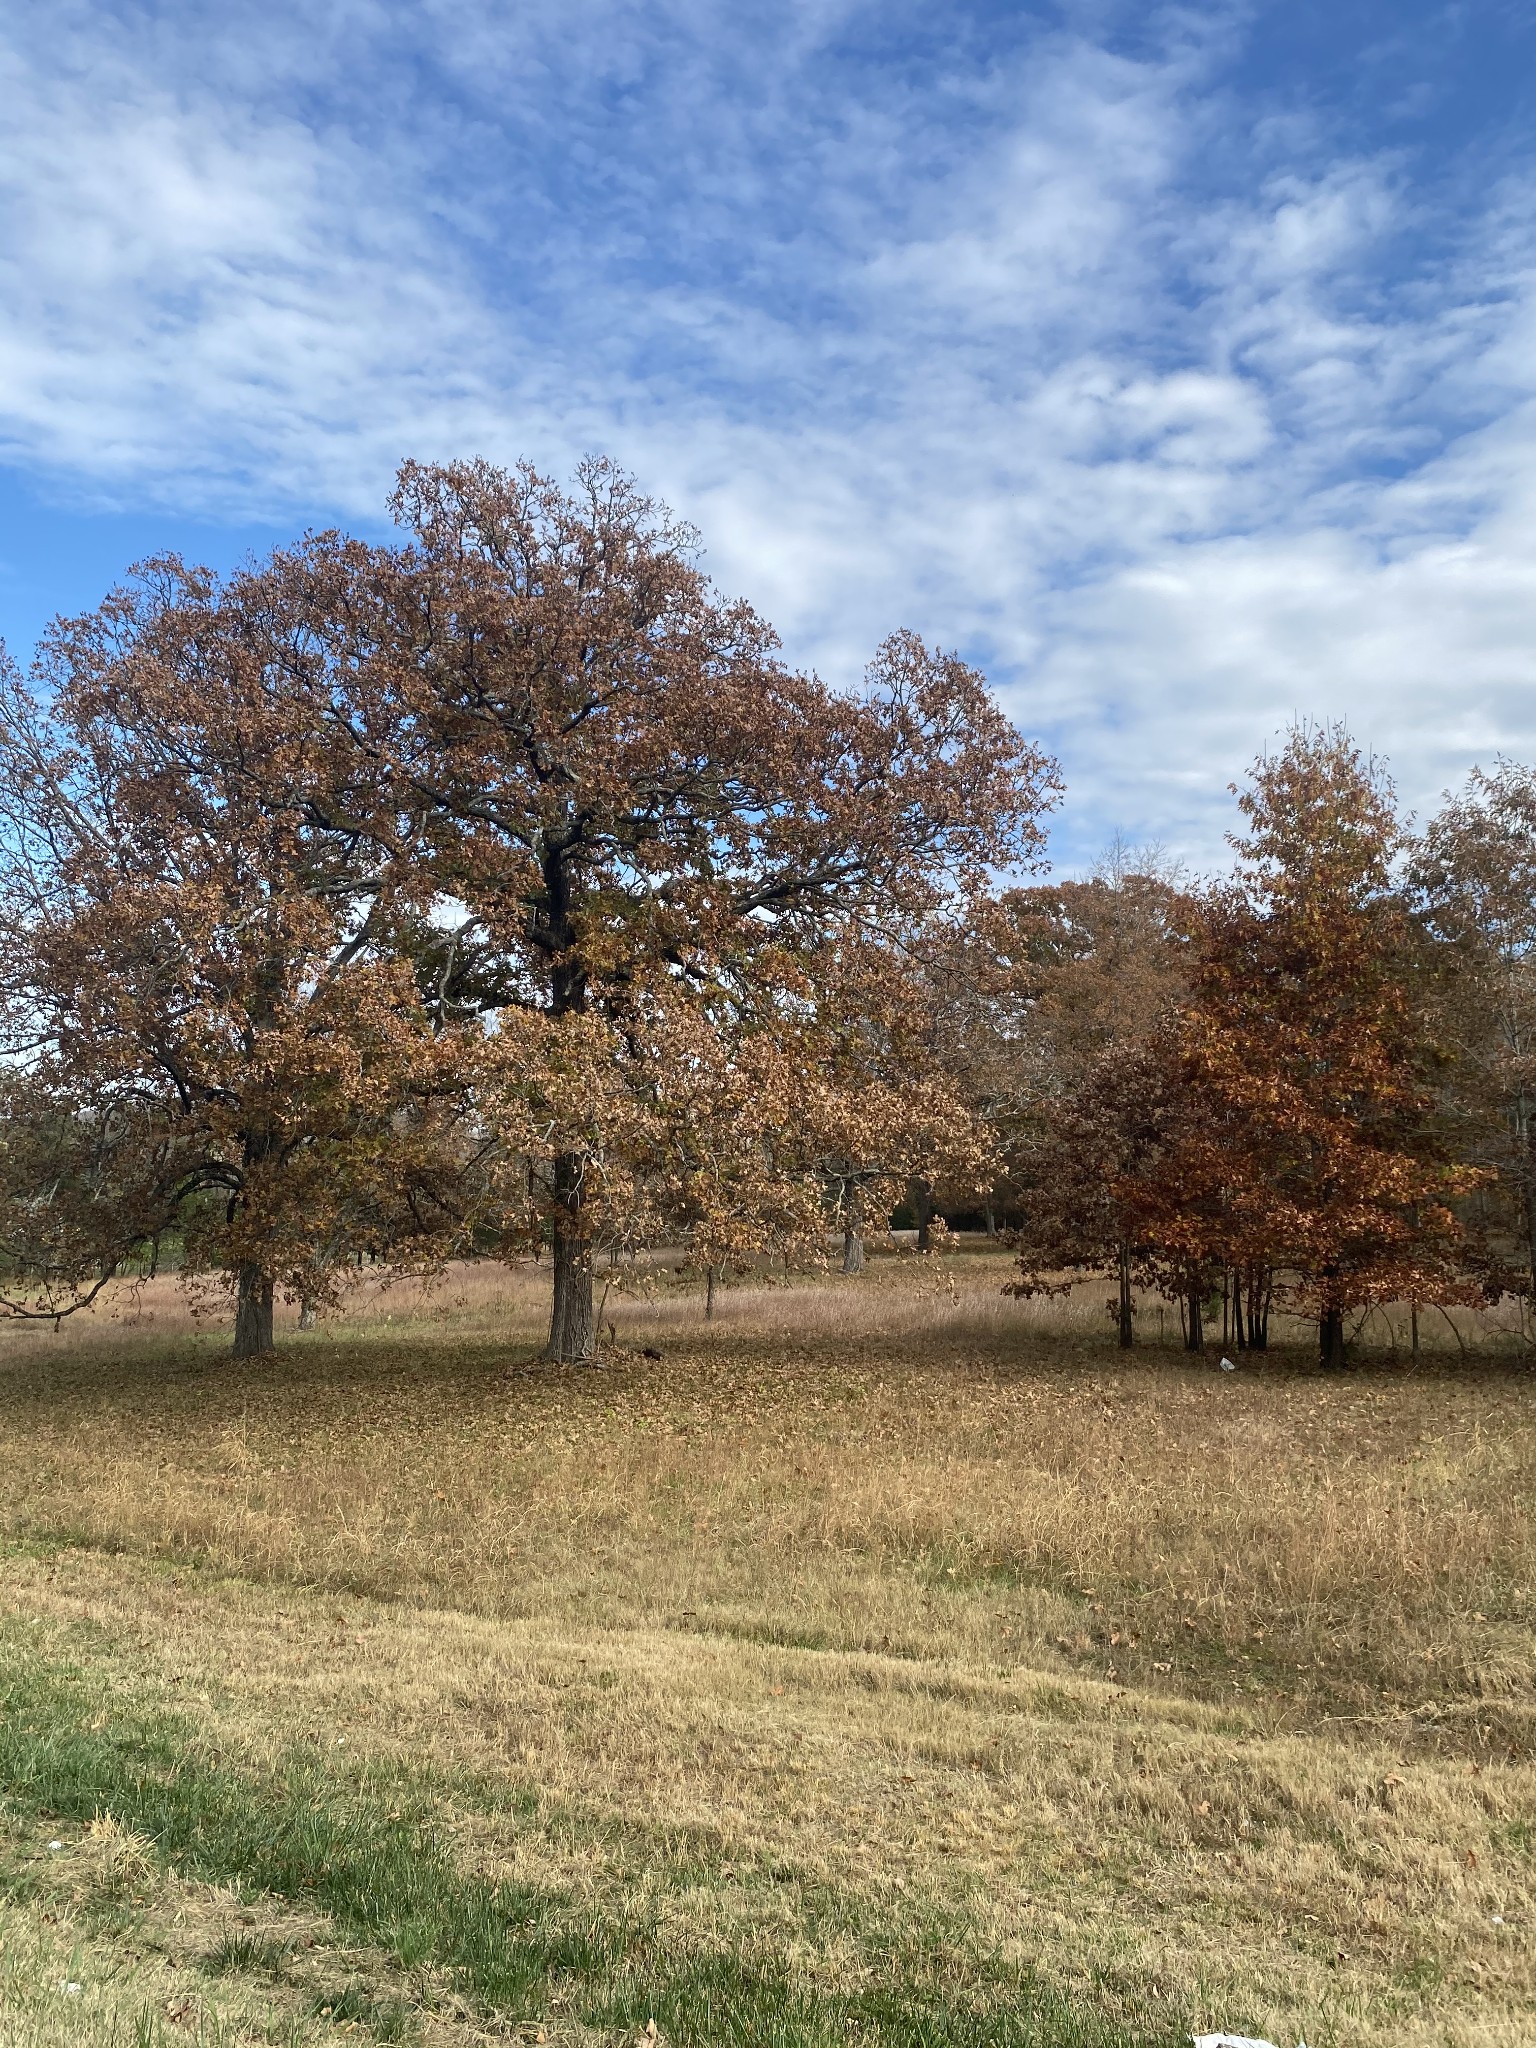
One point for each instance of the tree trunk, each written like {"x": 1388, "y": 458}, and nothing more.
{"x": 1194, "y": 1329}
{"x": 572, "y": 1329}
{"x": 991, "y": 1217}
{"x": 1330, "y": 1339}
{"x": 853, "y": 1227}
{"x": 1525, "y": 1140}
{"x": 253, "y": 1313}
{"x": 1126, "y": 1328}
{"x": 709, "y": 1293}
{"x": 923, "y": 1199}
{"x": 1259, "y": 1289}
{"x": 308, "y": 1315}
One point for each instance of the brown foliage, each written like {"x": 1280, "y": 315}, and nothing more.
{"x": 1311, "y": 1146}
{"x": 512, "y": 847}
{"x": 647, "y": 815}
{"x": 1475, "y": 875}
{"x": 210, "y": 1026}
{"x": 1093, "y": 969}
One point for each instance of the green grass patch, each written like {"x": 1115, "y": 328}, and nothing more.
{"x": 368, "y": 1854}
{"x": 240, "y": 1955}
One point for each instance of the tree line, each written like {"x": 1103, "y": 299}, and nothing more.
{"x": 500, "y": 888}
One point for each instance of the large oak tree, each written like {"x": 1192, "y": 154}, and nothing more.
{"x": 637, "y": 802}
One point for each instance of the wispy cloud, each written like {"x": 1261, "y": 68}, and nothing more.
{"x": 1181, "y": 412}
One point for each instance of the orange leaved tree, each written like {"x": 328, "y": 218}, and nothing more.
{"x": 1315, "y": 1152}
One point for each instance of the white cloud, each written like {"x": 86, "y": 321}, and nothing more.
{"x": 982, "y": 347}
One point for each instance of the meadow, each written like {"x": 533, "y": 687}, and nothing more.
{"x": 887, "y": 1660}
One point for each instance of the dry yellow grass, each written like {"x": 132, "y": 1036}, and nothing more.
{"x": 1223, "y": 1683}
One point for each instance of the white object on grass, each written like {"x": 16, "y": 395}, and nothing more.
{"x": 1233, "y": 2041}
{"x": 1227, "y": 1366}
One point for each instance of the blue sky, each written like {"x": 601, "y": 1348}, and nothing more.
{"x": 1177, "y": 364}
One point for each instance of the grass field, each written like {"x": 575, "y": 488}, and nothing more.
{"x": 888, "y": 1661}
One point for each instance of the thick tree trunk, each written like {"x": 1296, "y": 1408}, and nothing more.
{"x": 1330, "y": 1339}
{"x": 1194, "y": 1328}
{"x": 308, "y": 1315}
{"x": 923, "y": 1202}
{"x": 991, "y": 1217}
{"x": 253, "y": 1313}
{"x": 572, "y": 1325}
{"x": 709, "y": 1293}
{"x": 572, "y": 1328}
{"x": 853, "y": 1251}
{"x": 1126, "y": 1311}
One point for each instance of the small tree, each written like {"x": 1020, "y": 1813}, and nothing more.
{"x": 1100, "y": 1143}
{"x": 1475, "y": 876}
{"x": 1317, "y": 1149}
{"x": 1092, "y": 970}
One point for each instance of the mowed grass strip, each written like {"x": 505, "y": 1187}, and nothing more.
{"x": 386, "y": 1878}
{"x": 872, "y": 1820}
